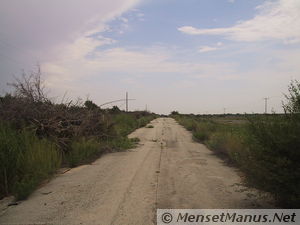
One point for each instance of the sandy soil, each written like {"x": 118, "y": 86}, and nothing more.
{"x": 167, "y": 170}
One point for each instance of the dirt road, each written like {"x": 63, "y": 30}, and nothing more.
{"x": 167, "y": 170}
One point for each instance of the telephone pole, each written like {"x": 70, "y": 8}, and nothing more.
{"x": 126, "y": 101}
{"x": 266, "y": 105}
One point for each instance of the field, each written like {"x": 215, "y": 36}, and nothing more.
{"x": 264, "y": 147}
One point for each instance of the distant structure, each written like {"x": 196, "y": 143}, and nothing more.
{"x": 126, "y": 101}
{"x": 120, "y": 100}
{"x": 266, "y": 105}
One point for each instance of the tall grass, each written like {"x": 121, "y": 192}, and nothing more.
{"x": 83, "y": 150}
{"x": 46, "y": 134}
{"x": 274, "y": 150}
{"x": 125, "y": 123}
{"x": 25, "y": 161}
{"x": 224, "y": 139}
{"x": 266, "y": 148}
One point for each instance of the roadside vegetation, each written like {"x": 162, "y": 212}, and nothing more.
{"x": 265, "y": 147}
{"x": 38, "y": 136}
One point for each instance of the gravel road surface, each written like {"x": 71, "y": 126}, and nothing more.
{"x": 167, "y": 170}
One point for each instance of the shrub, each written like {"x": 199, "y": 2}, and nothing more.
{"x": 228, "y": 144}
{"x": 124, "y": 124}
{"x": 143, "y": 121}
{"x": 201, "y": 128}
{"x": 83, "y": 150}
{"x": 267, "y": 149}
{"x": 25, "y": 161}
{"x": 275, "y": 152}
{"x": 218, "y": 141}
{"x": 78, "y": 131}
{"x": 122, "y": 143}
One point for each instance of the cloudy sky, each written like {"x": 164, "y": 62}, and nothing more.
{"x": 194, "y": 56}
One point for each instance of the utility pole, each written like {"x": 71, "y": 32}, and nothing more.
{"x": 224, "y": 111}
{"x": 126, "y": 101}
{"x": 266, "y": 105}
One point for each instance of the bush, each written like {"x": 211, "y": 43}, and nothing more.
{"x": 201, "y": 128}
{"x": 124, "y": 124}
{"x": 78, "y": 131}
{"x": 275, "y": 153}
{"x": 267, "y": 149}
{"x": 143, "y": 121}
{"x": 228, "y": 144}
{"x": 83, "y": 150}
{"x": 219, "y": 142}
{"x": 25, "y": 161}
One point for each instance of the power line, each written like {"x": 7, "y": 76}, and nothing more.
{"x": 120, "y": 100}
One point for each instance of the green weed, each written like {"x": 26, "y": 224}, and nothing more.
{"x": 265, "y": 147}
{"x": 25, "y": 161}
{"x": 83, "y": 150}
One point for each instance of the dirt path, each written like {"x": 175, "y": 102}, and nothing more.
{"x": 168, "y": 170}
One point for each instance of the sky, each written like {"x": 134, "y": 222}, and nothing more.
{"x": 192, "y": 56}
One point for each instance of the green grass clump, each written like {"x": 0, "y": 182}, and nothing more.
{"x": 143, "y": 121}
{"x": 124, "y": 124}
{"x": 83, "y": 150}
{"x": 135, "y": 140}
{"x": 123, "y": 143}
{"x": 25, "y": 161}
{"x": 201, "y": 128}
{"x": 274, "y": 157}
{"x": 224, "y": 139}
{"x": 204, "y": 129}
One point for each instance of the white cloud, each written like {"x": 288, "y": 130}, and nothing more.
{"x": 217, "y": 46}
{"x": 231, "y": 1}
{"x": 44, "y": 30}
{"x": 81, "y": 60}
{"x": 79, "y": 63}
{"x": 207, "y": 49}
{"x": 53, "y": 22}
{"x": 279, "y": 20}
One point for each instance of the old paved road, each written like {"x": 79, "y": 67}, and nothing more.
{"x": 168, "y": 170}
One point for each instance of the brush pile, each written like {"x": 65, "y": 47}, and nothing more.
{"x": 28, "y": 107}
